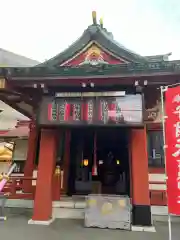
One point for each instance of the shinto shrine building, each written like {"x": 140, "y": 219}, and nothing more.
{"x": 95, "y": 123}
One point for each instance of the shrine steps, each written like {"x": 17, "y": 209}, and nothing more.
{"x": 73, "y": 208}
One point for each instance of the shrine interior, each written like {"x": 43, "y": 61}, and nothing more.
{"x": 107, "y": 148}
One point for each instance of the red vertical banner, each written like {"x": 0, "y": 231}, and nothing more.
{"x": 67, "y": 111}
{"x": 172, "y": 141}
{"x": 112, "y": 112}
{"x": 85, "y": 111}
{"x": 49, "y": 111}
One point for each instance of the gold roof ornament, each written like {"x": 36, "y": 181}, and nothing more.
{"x": 101, "y": 22}
{"x": 94, "y": 17}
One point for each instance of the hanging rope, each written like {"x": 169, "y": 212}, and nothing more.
{"x": 94, "y": 168}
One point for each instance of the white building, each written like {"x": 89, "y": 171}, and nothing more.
{"x": 9, "y": 117}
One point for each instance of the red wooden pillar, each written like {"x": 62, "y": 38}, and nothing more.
{"x": 46, "y": 167}
{"x": 140, "y": 182}
{"x": 31, "y": 154}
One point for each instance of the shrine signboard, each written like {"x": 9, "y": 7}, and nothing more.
{"x": 172, "y": 139}
{"x": 91, "y": 109}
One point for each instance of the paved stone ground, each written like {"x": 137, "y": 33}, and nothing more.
{"x": 16, "y": 228}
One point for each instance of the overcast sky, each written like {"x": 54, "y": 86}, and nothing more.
{"x": 40, "y": 29}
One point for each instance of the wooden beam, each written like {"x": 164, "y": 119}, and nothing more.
{"x": 19, "y": 97}
{"x": 29, "y": 95}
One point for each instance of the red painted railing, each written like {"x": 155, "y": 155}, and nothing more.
{"x": 15, "y": 188}
{"x": 158, "y": 197}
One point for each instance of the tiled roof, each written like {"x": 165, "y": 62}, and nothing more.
{"x": 96, "y": 33}
{"x": 20, "y": 132}
{"x": 10, "y": 59}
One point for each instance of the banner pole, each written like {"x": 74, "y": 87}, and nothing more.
{"x": 169, "y": 226}
{"x": 164, "y": 89}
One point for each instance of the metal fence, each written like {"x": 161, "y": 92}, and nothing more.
{"x": 108, "y": 211}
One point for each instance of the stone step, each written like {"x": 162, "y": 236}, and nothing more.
{"x": 68, "y": 213}
{"x": 74, "y": 208}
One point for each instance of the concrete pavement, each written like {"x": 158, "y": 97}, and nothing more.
{"x": 16, "y": 228}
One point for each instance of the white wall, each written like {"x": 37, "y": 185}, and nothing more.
{"x": 20, "y": 149}
{"x": 4, "y": 166}
{"x": 9, "y": 117}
